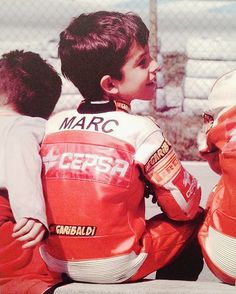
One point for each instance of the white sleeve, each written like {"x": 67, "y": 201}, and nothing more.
{"x": 149, "y": 138}
{"x": 23, "y": 172}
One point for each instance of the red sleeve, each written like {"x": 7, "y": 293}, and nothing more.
{"x": 177, "y": 191}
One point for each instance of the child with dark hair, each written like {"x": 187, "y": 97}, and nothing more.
{"x": 29, "y": 90}
{"x": 99, "y": 158}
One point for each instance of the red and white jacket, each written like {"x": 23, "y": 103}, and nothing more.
{"x": 218, "y": 233}
{"x": 93, "y": 169}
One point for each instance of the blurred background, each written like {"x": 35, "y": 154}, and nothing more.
{"x": 193, "y": 41}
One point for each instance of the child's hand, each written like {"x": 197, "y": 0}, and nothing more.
{"x": 30, "y": 231}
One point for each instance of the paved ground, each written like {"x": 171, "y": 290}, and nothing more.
{"x": 207, "y": 282}
{"x": 149, "y": 287}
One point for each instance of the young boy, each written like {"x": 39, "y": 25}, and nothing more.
{"x": 98, "y": 159}
{"x": 29, "y": 90}
{"x": 217, "y": 145}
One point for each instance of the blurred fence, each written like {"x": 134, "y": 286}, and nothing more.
{"x": 195, "y": 41}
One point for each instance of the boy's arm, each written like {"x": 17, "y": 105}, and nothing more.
{"x": 23, "y": 172}
{"x": 177, "y": 192}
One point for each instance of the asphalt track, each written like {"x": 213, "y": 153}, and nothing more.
{"x": 207, "y": 283}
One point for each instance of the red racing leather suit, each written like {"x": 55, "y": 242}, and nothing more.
{"x": 93, "y": 169}
{"x": 217, "y": 235}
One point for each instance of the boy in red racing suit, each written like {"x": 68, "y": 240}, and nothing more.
{"x": 217, "y": 144}
{"x": 95, "y": 159}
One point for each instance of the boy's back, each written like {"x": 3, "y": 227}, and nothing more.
{"x": 93, "y": 155}
{"x": 95, "y": 192}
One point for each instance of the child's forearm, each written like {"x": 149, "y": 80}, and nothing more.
{"x": 177, "y": 191}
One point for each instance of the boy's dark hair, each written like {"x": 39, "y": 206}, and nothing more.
{"x": 97, "y": 44}
{"x": 29, "y": 83}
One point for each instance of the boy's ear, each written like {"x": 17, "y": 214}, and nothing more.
{"x": 108, "y": 85}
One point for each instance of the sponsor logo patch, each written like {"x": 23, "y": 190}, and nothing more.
{"x": 72, "y": 230}
{"x": 186, "y": 183}
{"x": 165, "y": 170}
{"x": 83, "y": 162}
{"x": 158, "y": 155}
